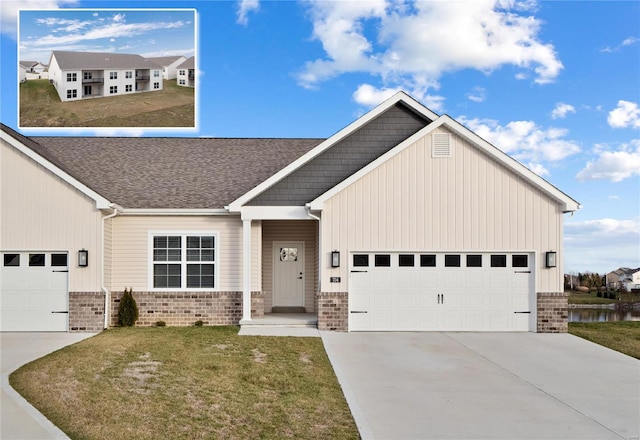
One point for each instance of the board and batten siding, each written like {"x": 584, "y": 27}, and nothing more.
{"x": 41, "y": 212}
{"x": 130, "y": 248}
{"x": 467, "y": 202}
{"x": 290, "y": 230}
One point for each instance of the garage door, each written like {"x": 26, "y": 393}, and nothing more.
{"x": 33, "y": 291}
{"x": 441, "y": 291}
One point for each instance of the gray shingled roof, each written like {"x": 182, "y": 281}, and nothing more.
{"x": 189, "y": 64}
{"x": 164, "y": 61}
{"x": 28, "y": 64}
{"x": 170, "y": 173}
{"x": 68, "y": 60}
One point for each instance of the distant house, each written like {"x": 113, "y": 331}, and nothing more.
{"x": 22, "y": 73}
{"x": 187, "y": 73}
{"x": 80, "y": 75}
{"x": 169, "y": 65}
{"x": 33, "y": 66}
{"x": 623, "y": 278}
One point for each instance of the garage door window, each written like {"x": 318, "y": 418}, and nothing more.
{"x": 361, "y": 260}
{"x": 474, "y": 260}
{"x": 383, "y": 260}
{"x": 11, "y": 260}
{"x": 36, "y": 260}
{"x": 519, "y": 261}
{"x": 452, "y": 260}
{"x": 498, "y": 261}
{"x": 406, "y": 260}
{"x": 59, "y": 260}
{"x": 428, "y": 260}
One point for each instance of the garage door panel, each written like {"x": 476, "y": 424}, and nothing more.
{"x": 29, "y": 294}
{"x": 442, "y": 298}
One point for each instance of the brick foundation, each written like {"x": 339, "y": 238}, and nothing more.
{"x": 86, "y": 311}
{"x": 553, "y": 312}
{"x": 333, "y": 310}
{"x": 185, "y": 308}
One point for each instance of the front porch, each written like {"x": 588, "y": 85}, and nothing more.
{"x": 281, "y": 324}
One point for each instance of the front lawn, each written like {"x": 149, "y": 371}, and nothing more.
{"x": 622, "y": 336}
{"x": 188, "y": 383}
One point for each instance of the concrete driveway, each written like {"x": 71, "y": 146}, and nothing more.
{"x": 486, "y": 386}
{"x": 18, "y": 419}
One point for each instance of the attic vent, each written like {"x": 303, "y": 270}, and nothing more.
{"x": 441, "y": 145}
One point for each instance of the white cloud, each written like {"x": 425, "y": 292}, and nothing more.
{"x": 613, "y": 165}
{"x": 626, "y": 42}
{"x": 9, "y": 12}
{"x": 614, "y": 197}
{"x": 244, "y": 7}
{"x": 112, "y": 40}
{"x": 601, "y": 245}
{"x": 370, "y": 96}
{"x": 627, "y": 114}
{"x": 525, "y": 141}
{"x": 389, "y": 39}
{"x": 561, "y": 110}
{"x": 118, "y": 18}
{"x": 478, "y": 94}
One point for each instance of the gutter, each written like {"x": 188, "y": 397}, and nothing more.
{"x": 107, "y": 294}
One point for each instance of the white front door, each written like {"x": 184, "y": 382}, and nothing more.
{"x": 288, "y": 274}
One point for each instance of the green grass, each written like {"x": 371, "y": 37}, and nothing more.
{"x": 173, "y": 106}
{"x": 622, "y": 336}
{"x": 188, "y": 383}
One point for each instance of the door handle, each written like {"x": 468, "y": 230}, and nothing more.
{"x": 358, "y": 271}
{"x": 358, "y": 311}
{"x": 522, "y": 312}
{"x": 59, "y": 271}
{"x": 62, "y": 311}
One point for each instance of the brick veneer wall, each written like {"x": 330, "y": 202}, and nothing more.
{"x": 333, "y": 310}
{"x": 553, "y": 312}
{"x": 86, "y": 311}
{"x": 185, "y": 308}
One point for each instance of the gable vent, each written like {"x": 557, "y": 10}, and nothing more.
{"x": 441, "y": 145}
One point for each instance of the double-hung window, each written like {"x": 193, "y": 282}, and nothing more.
{"x": 184, "y": 261}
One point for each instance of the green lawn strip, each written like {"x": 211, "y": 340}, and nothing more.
{"x": 173, "y": 106}
{"x": 622, "y": 336}
{"x": 191, "y": 383}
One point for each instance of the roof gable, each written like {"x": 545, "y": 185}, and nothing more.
{"x": 569, "y": 204}
{"x": 166, "y": 61}
{"x": 190, "y": 63}
{"x": 398, "y": 98}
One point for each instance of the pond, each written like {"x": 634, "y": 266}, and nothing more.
{"x": 605, "y": 314}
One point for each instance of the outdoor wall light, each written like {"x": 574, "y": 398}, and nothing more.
{"x": 335, "y": 259}
{"x": 551, "y": 259}
{"x": 83, "y": 258}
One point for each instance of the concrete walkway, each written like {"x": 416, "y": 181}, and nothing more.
{"x": 18, "y": 419}
{"x": 486, "y": 386}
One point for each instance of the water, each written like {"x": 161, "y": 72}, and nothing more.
{"x": 604, "y": 315}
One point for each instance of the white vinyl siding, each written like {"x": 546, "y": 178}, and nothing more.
{"x": 467, "y": 202}
{"x": 42, "y": 212}
{"x": 130, "y": 248}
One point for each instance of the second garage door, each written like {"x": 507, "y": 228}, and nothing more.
{"x": 445, "y": 291}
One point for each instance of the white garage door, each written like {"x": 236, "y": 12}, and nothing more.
{"x": 33, "y": 291}
{"x": 441, "y": 291}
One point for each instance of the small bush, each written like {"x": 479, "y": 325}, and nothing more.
{"x": 599, "y": 294}
{"x": 199, "y": 323}
{"x": 161, "y": 324}
{"x": 128, "y": 309}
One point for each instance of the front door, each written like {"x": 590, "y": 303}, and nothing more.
{"x": 288, "y": 274}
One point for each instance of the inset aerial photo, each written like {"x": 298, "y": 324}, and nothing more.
{"x": 107, "y": 68}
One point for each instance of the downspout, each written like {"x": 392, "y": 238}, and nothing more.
{"x": 107, "y": 294}
{"x": 315, "y": 217}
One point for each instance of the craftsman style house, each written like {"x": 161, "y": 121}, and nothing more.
{"x": 82, "y": 75}
{"x": 403, "y": 220}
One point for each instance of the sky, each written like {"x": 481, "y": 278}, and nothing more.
{"x": 554, "y": 84}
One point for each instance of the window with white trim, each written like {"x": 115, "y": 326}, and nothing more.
{"x": 184, "y": 261}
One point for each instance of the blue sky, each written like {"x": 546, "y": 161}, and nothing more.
{"x": 554, "y": 84}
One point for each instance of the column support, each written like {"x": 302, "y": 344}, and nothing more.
{"x": 246, "y": 270}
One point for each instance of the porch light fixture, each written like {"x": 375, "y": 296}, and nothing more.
{"x": 551, "y": 259}
{"x": 335, "y": 259}
{"x": 83, "y": 258}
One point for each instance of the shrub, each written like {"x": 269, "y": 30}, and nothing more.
{"x": 161, "y": 324}
{"x": 199, "y": 323}
{"x": 599, "y": 294}
{"x": 128, "y": 309}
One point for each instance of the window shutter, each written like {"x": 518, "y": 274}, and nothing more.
{"x": 441, "y": 145}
